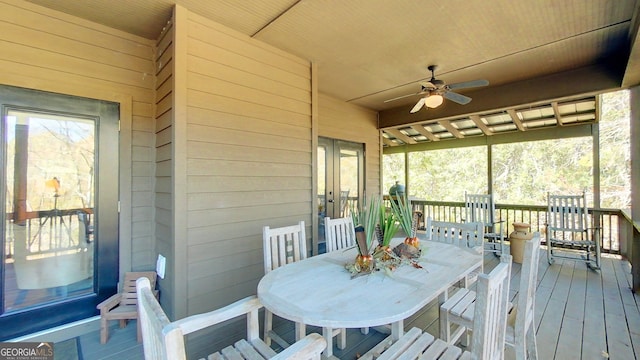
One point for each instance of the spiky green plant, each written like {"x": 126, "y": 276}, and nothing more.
{"x": 367, "y": 219}
{"x": 388, "y": 225}
{"x": 403, "y": 211}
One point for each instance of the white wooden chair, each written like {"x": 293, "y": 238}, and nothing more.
{"x": 339, "y": 233}
{"x": 470, "y": 235}
{"x": 283, "y": 245}
{"x": 164, "y": 340}
{"x": 520, "y": 332}
{"x": 521, "y": 329}
{"x": 568, "y": 232}
{"x": 489, "y": 322}
{"x": 481, "y": 208}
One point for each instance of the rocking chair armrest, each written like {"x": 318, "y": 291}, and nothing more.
{"x": 109, "y": 303}
{"x": 309, "y": 347}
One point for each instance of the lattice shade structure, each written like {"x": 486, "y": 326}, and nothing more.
{"x": 583, "y": 110}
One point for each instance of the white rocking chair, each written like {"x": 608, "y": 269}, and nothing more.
{"x": 481, "y": 208}
{"x": 568, "y": 232}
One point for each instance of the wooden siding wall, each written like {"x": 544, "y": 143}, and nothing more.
{"x": 164, "y": 185}
{"x": 248, "y": 156}
{"x": 51, "y": 51}
{"x": 340, "y": 120}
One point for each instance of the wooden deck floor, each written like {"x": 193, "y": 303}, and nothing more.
{"x": 580, "y": 314}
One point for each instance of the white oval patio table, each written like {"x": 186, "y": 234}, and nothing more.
{"x": 319, "y": 291}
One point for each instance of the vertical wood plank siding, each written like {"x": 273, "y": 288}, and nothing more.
{"x": 51, "y": 51}
{"x": 248, "y": 156}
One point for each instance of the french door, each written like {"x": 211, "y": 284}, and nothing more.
{"x": 340, "y": 180}
{"x": 60, "y": 218}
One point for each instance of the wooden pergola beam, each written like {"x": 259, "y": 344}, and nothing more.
{"x": 400, "y": 135}
{"x": 481, "y": 125}
{"x": 556, "y": 113}
{"x": 450, "y": 128}
{"x": 516, "y": 120}
{"x": 428, "y": 134}
{"x": 388, "y": 141}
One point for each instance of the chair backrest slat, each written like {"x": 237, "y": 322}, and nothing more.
{"x": 490, "y": 316}
{"x": 339, "y": 233}
{"x": 528, "y": 283}
{"x": 283, "y": 245}
{"x": 469, "y": 234}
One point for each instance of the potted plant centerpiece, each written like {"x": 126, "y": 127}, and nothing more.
{"x": 364, "y": 221}
{"x": 403, "y": 211}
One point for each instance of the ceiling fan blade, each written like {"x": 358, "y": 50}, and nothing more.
{"x": 469, "y": 84}
{"x": 455, "y": 97}
{"x": 418, "y": 105}
{"x": 403, "y": 96}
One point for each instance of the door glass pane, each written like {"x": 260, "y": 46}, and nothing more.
{"x": 322, "y": 188}
{"x": 349, "y": 180}
{"x": 49, "y": 201}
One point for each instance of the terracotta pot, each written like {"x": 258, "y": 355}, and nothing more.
{"x": 517, "y": 238}
{"x": 413, "y": 241}
{"x": 364, "y": 262}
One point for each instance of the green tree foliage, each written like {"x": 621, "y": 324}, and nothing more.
{"x": 457, "y": 170}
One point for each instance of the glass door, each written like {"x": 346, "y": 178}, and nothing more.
{"x": 52, "y": 221}
{"x": 340, "y": 180}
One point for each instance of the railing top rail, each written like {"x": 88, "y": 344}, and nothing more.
{"x": 541, "y": 208}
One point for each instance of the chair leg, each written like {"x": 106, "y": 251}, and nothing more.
{"x": 123, "y": 323}
{"x": 104, "y": 330}
{"x": 268, "y": 325}
{"x": 445, "y": 328}
{"x": 342, "y": 339}
{"x": 301, "y": 331}
{"x": 532, "y": 348}
{"x": 139, "y": 330}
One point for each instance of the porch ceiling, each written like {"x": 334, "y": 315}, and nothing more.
{"x": 368, "y": 51}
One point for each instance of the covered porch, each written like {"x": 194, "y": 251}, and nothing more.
{"x": 580, "y": 314}
{"x": 221, "y": 108}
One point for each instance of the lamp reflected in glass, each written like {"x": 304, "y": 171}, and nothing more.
{"x": 433, "y": 101}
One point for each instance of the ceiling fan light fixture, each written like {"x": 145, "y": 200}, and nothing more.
{"x": 433, "y": 101}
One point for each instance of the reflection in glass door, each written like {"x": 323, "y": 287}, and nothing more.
{"x": 48, "y": 204}
{"x": 340, "y": 180}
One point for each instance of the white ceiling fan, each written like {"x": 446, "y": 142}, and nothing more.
{"x": 436, "y": 90}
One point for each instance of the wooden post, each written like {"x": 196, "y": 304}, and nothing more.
{"x": 634, "y": 102}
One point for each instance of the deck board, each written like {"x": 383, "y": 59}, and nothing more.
{"x": 580, "y": 314}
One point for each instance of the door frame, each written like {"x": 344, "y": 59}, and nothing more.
{"x": 333, "y": 147}
{"x": 121, "y": 163}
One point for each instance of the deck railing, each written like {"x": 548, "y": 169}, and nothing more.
{"x": 607, "y": 220}
{"x": 48, "y": 231}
